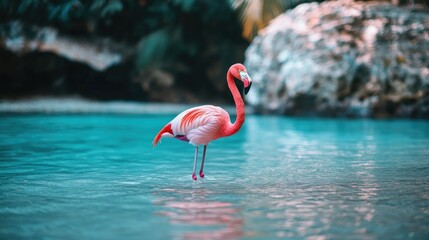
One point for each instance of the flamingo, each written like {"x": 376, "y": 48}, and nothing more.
{"x": 203, "y": 124}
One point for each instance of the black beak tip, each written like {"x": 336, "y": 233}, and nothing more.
{"x": 246, "y": 89}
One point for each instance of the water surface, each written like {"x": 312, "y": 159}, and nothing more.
{"x": 98, "y": 177}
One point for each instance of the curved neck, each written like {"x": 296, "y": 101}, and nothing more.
{"x": 239, "y": 106}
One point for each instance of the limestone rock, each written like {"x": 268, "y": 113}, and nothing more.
{"x": 99, "y": 54}
{"x": 343, "y": 58}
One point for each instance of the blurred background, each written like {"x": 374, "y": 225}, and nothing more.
{"x": 307, "y": 58}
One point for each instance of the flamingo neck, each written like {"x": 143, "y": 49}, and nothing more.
{"x": 239, "y": 106}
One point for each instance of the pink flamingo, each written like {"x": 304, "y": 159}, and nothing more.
{"x": 203, "y": 124}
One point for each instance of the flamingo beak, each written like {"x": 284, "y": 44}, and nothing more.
{"x": 246, "y": 81}
{"x": 246, "y": 89}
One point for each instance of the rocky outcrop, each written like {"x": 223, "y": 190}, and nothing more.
{"x": 343, "y": 58}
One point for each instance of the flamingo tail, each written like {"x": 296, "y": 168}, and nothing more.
{"x": 165, "y": 129}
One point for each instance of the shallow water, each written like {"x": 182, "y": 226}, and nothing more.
{"x": 98, "y": 177}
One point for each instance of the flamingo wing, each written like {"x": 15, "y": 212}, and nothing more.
{"x": 198, "y": 125}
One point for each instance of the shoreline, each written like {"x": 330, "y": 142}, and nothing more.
{"x": 77, "y": 105}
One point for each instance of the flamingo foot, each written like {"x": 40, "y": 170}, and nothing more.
{"x": 194, "y": 176}
{"x": 201, "y": 174}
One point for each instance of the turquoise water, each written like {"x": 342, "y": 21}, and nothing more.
{"x": 98, "y": 177}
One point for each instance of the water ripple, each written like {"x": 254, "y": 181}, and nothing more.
{"x": 98, "y": 177}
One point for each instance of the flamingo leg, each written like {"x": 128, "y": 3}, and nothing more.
{"x": 194, "y": 176}
{"x": 202, "y": 163}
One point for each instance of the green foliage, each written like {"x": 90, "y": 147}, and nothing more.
{"x": 190, "y": 29}
{"x": 104, "y": 8}
{"x": 60, "y": 10}
{"x": 186, "y": 5}
{"x": 152, "y": 50}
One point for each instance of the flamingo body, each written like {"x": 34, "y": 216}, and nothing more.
{"x": 203, "y": 124}
{"x": 198, "y": 125}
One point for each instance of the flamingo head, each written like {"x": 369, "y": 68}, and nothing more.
{"x": 239, "y": 72}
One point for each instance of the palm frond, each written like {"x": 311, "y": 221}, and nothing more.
{"x": 154, "y": 48}
{"x": 256, "y": 14}
{"x": 186, "y": 4}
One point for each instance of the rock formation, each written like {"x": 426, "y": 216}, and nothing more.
{"x": 343, "y": 58}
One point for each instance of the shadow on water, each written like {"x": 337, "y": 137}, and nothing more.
{"x": 197, "y": 216}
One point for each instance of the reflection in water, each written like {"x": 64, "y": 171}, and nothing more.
{"x": 368, "y": 186}
{"x": 318, "y": 172}
{"x": 191, "y": 207}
